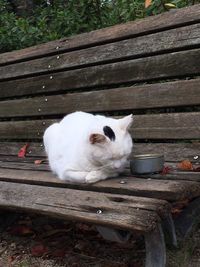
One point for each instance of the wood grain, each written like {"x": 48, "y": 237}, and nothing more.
{"x": 28, "y": 164}
{"x": 79, "y": 206}
{"x": 172, "y": 19}
{"x": 174, "y": 152}
{"x": 150, "y": 126}
{"x": 130, "y": 71}
{"x": 162, "y": 42}
{"x": 170, "y": 94}
{"x": 169, "y": 190}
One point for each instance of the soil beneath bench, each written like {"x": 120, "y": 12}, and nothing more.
{"x": 38, "y": 241}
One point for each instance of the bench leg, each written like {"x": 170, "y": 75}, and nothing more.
{"x": 189, "y": 217}
{"x": 154, "y": 243}
{"x": 169, "y": 229}
{"x": 155, "y": 248}
{"x": 110, "y": 234}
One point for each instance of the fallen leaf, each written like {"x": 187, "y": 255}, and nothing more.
{"x": 147, "y": 3}
{"x": 21, "y": 230}
{"x": 185, "y": 165}
{"x": 166, "y": 170}
{"x": 39, "y": 250}
{"x": 39, "y": 161}
{"x": 22, "y": 151}
{"x": 170, "y": 5}
{"x": 179, "y": 206}
{"x": 176, "y": 211}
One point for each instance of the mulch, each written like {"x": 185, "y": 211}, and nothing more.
{"x": 30, "y": 240}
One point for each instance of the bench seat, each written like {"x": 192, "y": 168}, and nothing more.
{"x": 150, "y": 68}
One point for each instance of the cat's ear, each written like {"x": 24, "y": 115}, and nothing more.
{"x": 97, "y": 138}
{"x": 126, "y": 122}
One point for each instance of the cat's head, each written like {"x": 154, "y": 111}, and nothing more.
{"x": 112, "y": 144}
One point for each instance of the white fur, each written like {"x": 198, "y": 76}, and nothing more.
{"x": 72, "y": 157}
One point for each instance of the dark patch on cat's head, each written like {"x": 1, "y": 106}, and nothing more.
{"x": 109, "y": 133}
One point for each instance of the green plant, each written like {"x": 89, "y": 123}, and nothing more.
{"x": 65, "y": 18}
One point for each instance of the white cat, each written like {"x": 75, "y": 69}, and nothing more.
{"x": 86, "y": 148}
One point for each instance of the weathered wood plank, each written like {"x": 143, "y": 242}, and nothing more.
{"x": 173, "y": 40}
{"x": 28, "y": 164}
{"x": 183, "y": 176}
{"x": 79, "y": 205}
{"x": 24, "y": 129}
{"x": 24, "y": 166}
{"x": 136, "y": 70}
{"x": 175, "y": 152}
{"x": 170, "y": 190}
{"x": 156, "y": 126}
{"x": 171, "y": 94}
{"x": 12, "y": 148}
{"x": 172, "y": 152}
{"x": 172, "y": 19}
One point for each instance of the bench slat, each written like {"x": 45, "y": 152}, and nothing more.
{"x": 80, "y": 205}
{"x": 162, "y": 42}
{"x": 162, "y": 189}
{"x": 171, "y": 94}
{"x": 175, "y": 152}
{"x": 28, "y": 164}
{"x": 136, "y": 70}
{"x": 172, "y": 19}
{"x": 156, "y": 126}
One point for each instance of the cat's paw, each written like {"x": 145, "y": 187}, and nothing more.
{"x": 95, "y": 176}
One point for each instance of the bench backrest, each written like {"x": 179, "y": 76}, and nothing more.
{"x": 150, "y": 68}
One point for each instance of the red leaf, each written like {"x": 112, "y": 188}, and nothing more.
{"x": 179, "y": 206}
{"x": 22, "y": 151}
{"x": 39, "y": 161}
{"x": 166, "y": 170}
{"x": 21, "y": 230}
{"x": 185, "y": 165}
{"x": 39, "y": 250}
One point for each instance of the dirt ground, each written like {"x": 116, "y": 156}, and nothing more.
{"x": 38, "y": 241}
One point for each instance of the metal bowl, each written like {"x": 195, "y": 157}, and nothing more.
{"x": 149, "y": 163}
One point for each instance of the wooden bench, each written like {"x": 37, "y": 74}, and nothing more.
{"x": 151, "y": 68}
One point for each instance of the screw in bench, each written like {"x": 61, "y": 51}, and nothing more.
{"x": 49, "y": 66}
{"x": 51, "y": 77}
{"x": 43, "y": 86}
{"x": 99, "y": 211}
{"x": 57, "y": 47}
{"x": 122, "y": 182}
{"x": 58, "y": 57}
